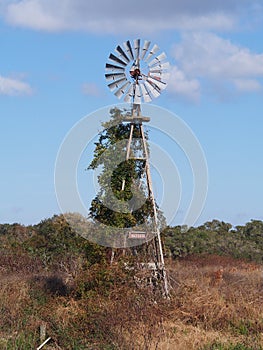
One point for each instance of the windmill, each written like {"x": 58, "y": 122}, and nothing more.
{"x": 137, "y": 73}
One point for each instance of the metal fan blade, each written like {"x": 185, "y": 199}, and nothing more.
{"x": 155, "y": 92}
{"x": 128, "y": 48}
{"x": 114, "y": 68}
{"x": 145, "y": 48}
{"x": 155, "y": 81}
{"x": 160, "y": 66}
{"x": 157, "y": 72}
{"x": 137, "y": 94}
{"x": 137, "y": 48}
{"x": 122, "y": 54}
{"x": 117, "y": 60}
{"x": 116, "y": 84}
{"x": 158, "y": 59}
{"x": 145, "y": 93}
{"x": 127, "y": 99}
{"x": 163, "y": 77}
{"x": 114, "y": 76}
{"x": 153, "y": 86}
{"x": 121, "y": 91}
{"x": 129, "y": 94}
{"x": 152, "y": 52}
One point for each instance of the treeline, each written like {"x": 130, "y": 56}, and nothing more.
{"x": 217, "y": 237}
{"x": 53, "y": 239}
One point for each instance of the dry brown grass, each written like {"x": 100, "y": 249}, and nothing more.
{"x": 213, "y": 300}
{"x": 217, "y": 285}
{"x": 13, "y": 297}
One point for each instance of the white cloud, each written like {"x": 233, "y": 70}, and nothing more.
{"x": 182, "y": 87}
{"x": 14, "y": 87}
{"x": 35, "y": 14}
{"x": 114, "y": 17}
{"x": 218, "y": 62}
{"x": 207, "y": 54}
{"x": 247, "y": 85}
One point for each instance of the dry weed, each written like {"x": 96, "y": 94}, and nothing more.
{"x": 213, "y": 299}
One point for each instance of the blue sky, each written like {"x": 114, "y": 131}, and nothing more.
{"x": 52, "y": 62}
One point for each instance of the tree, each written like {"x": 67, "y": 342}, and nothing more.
{"x": 122, "y": 200}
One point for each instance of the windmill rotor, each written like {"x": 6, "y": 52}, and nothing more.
{"x": 137, "y": 73}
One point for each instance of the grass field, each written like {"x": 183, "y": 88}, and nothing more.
{"x": 216, "y": 303}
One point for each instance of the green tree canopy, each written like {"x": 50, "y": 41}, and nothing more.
{"x": 117, "y": 205}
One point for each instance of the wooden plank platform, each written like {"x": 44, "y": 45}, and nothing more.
{"x": 136, "y": 119}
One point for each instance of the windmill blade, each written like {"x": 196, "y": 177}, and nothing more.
{"x": 155, "y": 92}
{"x": 145, "y": 93}
{"x": 160, "y": 66}
{"x": 122, "y": 54}
{"x": 145, "y": 48}
{"x": 152, "y": 52}
{"x": 159, "y": 73}
{"x": 137, "y": 95}
{"x": 153, "y": 85}
{"x": 128, "y": 48}
{"x": 129, "y": 94}
{"x": 161, "y": 57}
{"x": 137, "y": 48}
{"x": 158, "y": 59}
{"x": 121, "y": 91}
{"x": 116, "y": 84}
{"x": 114, "y": 68}
{"x": 117, "y": 60}
{"x": 160, "y": 84}
{"x": 159, "y": 76}
{"x": 114, "y": 76}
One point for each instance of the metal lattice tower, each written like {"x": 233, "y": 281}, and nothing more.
{"x": 138, "y": 74}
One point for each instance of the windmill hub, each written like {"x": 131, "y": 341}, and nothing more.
{"x": 135, "y": 71}
{"x": 135, "y": 74}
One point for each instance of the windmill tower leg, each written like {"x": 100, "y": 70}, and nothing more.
{"x": 159, "y": 261}
{"x": 156, "y": 242}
